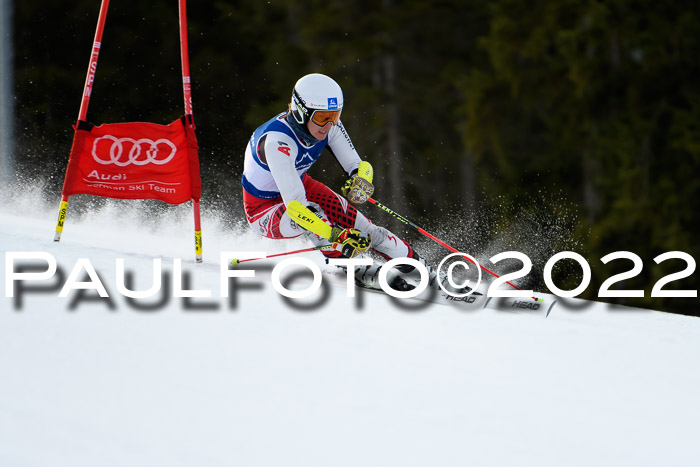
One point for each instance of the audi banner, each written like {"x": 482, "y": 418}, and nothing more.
{"x": 135, "y": 160}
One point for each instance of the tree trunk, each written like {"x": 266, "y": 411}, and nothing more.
{"x": 591, "y": 197}
{"x": 393, "y": 133}
{"x": 467, "y": 182}
{"x": 7, "y": 169}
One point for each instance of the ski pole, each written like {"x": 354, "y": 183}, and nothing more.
{"x": 434, "y": 238}
{"x": 236, "y": 261}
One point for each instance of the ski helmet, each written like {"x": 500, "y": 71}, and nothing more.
{"x": 318, "y": 98}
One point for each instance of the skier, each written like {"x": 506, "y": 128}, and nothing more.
{"x": 277, "y": 158}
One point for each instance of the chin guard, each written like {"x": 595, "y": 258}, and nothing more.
{"x": 357, "y": 190}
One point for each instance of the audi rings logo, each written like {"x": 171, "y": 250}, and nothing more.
{"x": 126, "y": 151}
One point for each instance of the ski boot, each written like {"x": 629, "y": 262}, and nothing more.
{"x": 368, "y": 277}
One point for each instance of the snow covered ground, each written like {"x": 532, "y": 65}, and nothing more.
{"x": 257, "y": 381}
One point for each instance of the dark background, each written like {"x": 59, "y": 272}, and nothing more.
{"x": 537, "y": 126}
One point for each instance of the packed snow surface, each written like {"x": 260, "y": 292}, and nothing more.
{"x": 256, "y": 380}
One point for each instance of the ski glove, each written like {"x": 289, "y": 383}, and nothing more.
{"x": 359, "y": 186}
{"x": 351, "y": 241}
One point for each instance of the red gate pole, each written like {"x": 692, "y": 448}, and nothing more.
{"x": 87, "y": 91}
{"x": 186, "y": 87}
{"x": 187, "y": 92}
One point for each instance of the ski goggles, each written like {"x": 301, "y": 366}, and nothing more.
{"x": 322, "y": 117}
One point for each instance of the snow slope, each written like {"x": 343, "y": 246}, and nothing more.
{"x": 346, "y": 382}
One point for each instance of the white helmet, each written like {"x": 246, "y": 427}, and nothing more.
{"x": 318, "y": 98}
